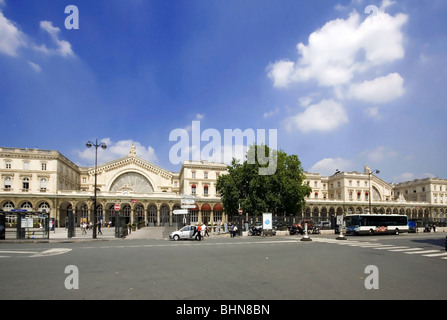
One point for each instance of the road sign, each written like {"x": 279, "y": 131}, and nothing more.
{"x": 239, "y": 211}
{"x": 188, "y": 201}
{"x": 181, "y": 211}
{"x": 340, "y": 220}
{"x": 117, "y": 207}
{"x": 188, "y": 206}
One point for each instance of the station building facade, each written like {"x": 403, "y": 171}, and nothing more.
{"x": 38, "y": 180}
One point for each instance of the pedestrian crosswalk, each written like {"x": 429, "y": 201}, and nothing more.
{"x": 430, "y": 253}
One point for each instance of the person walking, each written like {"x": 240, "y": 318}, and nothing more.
{"x": 203, "y": 228}
{"x": 199, "y": 233}
{"x": 231, "y": 231}
{"x": 99, "y": 228}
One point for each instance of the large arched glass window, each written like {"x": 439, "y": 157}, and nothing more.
{"x": 133, "y": 182}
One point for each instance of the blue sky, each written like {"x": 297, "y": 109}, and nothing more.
{"x": 342, "y": 87}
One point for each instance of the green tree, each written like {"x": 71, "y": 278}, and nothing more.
{"x": 281, "y": 192}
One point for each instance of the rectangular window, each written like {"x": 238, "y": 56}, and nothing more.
{"x": 8, "y": 183}
{"x": 25, "y": 184}
{"x": 8, "y": 164}
{"x": 44, "y": 166}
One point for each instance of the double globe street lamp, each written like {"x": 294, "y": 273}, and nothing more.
{"x": 103, "y": 146}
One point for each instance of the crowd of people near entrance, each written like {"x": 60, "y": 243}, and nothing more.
{"x": 89, "y": 226}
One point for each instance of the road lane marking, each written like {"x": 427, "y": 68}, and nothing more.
{"x": 389, "y": 248}
{"x": 51, "y": 252}
{"x": 405, "y": 250}
{"x": 423, "y": 251}
{"x": 19, "y": 252}
{"x": 440, "y": 254}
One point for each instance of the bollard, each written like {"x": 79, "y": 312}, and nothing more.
{"x": 306, "y": 235}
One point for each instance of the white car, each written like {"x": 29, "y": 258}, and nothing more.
{"x": 184, "y": 233}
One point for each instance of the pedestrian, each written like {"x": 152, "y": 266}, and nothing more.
{"x": 434, "y": 228}
{"x": 203, "y": 228}
{"x": 199, "y": 235}
{"x": 234, "y": 231}
{"x": 231, "y": 231}
{"x": 99, "y": 228}
{"x": 84, "y": 228}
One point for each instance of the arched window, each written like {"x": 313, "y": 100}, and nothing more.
{"x": 8, "y": 206}
{"x": 126, "y": 210}
{"x": 152, "y": 215}
{"x": 44, "y": 206}
{"x": 164, "y": 215}
{"x": 27, "y": 206}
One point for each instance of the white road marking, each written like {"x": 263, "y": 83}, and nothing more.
{"x": 51, "y": 252}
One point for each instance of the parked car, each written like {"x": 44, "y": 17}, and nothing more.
{"x": 310, "y": 223}
{"x": 186, "y": 232}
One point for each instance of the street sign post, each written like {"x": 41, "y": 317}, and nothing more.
{"x": 180, "y": 211}
{"x": 117, "y": 207}
{"x": 188, "y": 206}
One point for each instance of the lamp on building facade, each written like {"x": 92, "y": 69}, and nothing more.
{"x": 103, "y": 146}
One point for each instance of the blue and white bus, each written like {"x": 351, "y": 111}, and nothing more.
{"x": 376, "y": 224}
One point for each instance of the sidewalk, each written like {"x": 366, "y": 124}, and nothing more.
{"x": 62, "y": 234}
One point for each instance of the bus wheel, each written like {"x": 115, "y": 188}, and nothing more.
{"x": 396, "y": 232}
{"x": 371, "y": 232}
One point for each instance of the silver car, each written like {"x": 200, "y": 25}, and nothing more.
{"x": 184, "y": 233}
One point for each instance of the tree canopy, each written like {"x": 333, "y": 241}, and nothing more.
{"x": 280, "y": 192}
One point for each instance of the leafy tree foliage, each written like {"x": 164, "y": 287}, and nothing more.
{"x": 282, "y": 192}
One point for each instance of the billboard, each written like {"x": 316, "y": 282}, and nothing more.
{"x": 267, "y": 221}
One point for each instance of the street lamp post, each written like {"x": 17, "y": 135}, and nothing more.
{"x": 103, "y": 146}
{"x": 370, "y": 193}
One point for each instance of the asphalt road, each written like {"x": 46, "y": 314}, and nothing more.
{"x": 408, "y": 266}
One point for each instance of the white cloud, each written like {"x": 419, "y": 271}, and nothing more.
{"x": 379, "y": 154}
{"x": 323, "y": 116}
{"x": 35, "y": 66}
{"x": 271, "y": 113}
{"x": 116, "y": 150}
{"x": 336, "y": 55}
{"x": 343, "y": 48}
{"x": 63, "y": 48}
{"x": 408, "y": 176}
{"x": 373, "y": 112}
{"x": 281, "y": 73}
{"x": 328, "y": 166}
{"x": 11, "y": 38}
{"x": 380, "y": 90}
